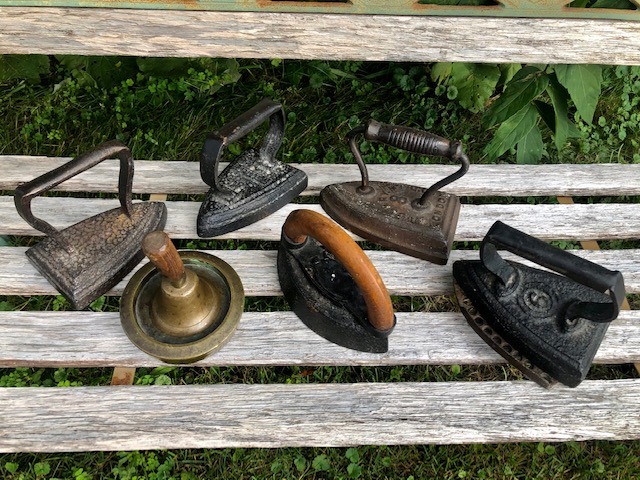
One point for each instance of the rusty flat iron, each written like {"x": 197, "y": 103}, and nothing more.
{"x": 254, "y": 184}
{"x": 332, "y": 285}
{"x": 85, "y": 260}
{"x": 548, "y": 326}
{"x": 417, "y": 221}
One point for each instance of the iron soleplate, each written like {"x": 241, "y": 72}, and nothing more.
{"x": 253, "y": 187}
{"x": 87, "y": 259}
{"x": 324, "y": 296}
{"x": 524, "y": 322}
{"x": 387, "y": 215}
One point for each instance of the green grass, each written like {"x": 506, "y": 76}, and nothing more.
{"x": 163, "y": 109}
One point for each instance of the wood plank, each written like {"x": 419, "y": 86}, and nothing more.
{"x": 179, "y": 177}
{"x": 403, "y": 275}
{"x": 165, "y": 33}
{"x": 330, "y": 415}
{"x": 548, "y": 222}
{"x": 89, "y": 339}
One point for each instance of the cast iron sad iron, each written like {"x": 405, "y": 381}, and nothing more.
{"x": 85, "y": 260}
{"x": 254, "y": 184}
{"x": 416, "y": 221}
{"x": 548, "y": 326}
{"x": 332, "y": 285}
{"x": 181, "y": 306}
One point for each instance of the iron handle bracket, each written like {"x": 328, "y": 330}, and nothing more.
{"x": 238, "y": 128}
{"x": 26, "y": 192}
{"x": 411, "y": 140}
{"x": 576, "y": 268}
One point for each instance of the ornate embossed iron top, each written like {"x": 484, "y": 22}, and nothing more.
{"x": 487, "y": 8}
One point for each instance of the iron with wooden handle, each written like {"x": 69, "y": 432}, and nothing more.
{"x": 332, "y": 285}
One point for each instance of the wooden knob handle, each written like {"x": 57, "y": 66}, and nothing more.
{"x": 159, "y": 248}
{"x": 303, "y": 223}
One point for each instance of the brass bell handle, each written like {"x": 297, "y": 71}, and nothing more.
{"x": 26, "y": 192}
{"x": 414, "y": 141}
{"x": 159, "y": 249}
{"x": 303, "y": 223}
{"x": 236, "y": 129}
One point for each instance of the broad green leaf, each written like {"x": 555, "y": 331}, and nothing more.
{"x": 619, "y": 4}
{"x": 300, "y": 462}
{"x": 475, "y": 83}
{"x": 321, "y": 463}
{"x": 564, "y": 128}
{"x": 508, "y": 70}
{"x": 511, "y": 132}
{"x": 526, "y": 71}
{"x": 441, "y": 71}
{"x": 583, "y": 83}
{"x": 27, "y": 67}
{"x": 515, "y": 97}
{"x": 529, "y": 149}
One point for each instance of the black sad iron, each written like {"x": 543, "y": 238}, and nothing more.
{"x": 87, "y": 259}
{"x": 254, "y": 184}
{"x": 332, "y": 285}
{"x": 416, "y": 221}
{"x": 548, "y": 326}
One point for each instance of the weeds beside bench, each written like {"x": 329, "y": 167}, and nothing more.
{"x": 274, "y": 415}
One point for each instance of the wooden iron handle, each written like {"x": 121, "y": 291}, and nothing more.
{"x": 159, "y": 248}
{"x": 303, "y": 223}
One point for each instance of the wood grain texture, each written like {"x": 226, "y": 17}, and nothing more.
{"x": 165, "y": 33}
{"x": 178, "y": 177}
{"x": 549, "y": 222}
{"x": 332, "y": 415}
{"x": 90, "y": 339}
{"x": 403, "y": 275}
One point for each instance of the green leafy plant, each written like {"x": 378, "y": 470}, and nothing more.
{"x": 529, "y": 98}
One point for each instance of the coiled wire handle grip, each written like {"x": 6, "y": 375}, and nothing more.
{"x": 303, "y": 223}
{"x": 578, "y": 269}
{"x": 238, "y": 128}
{"x": 411, "y": 140}
{"x": 26, "y": 192}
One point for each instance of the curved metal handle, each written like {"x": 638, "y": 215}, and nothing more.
{"x": 578, "y": 269}
{"x": 303, "y": 223}
{"x": 411, "y": 140}
{"x": 26, "y": 192}
{"x": 237, "y": 129}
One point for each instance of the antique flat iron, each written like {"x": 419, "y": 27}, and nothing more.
{"x": 549, "y": 326}
{"x": 254, "y": 184}
{"x": 181, "y": 306}
{"x": 416, "y": 221}
{"x": 332, "y": 285}
{"x": 85, "y": 260}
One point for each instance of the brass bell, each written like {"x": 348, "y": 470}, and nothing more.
{"x": 183, "y": 305}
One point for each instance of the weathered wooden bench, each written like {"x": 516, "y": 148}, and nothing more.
{"x": 227, "y": 415}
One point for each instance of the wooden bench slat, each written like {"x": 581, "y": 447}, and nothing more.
{"x": 307, "y": 36}
{"x": 90, "y": 339}
{"x": 178, "y": 177}
{"x": 335, "y": 415}
{"x": 548, "y": 222}
{"x": 403, "y": 275}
